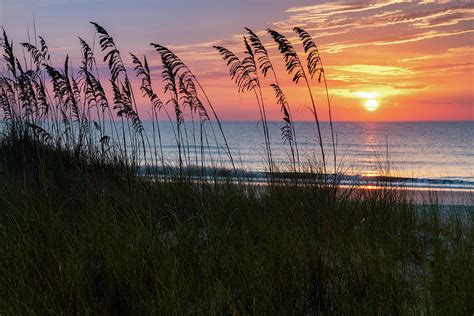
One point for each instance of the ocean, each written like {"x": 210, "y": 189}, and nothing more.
{"x": 417, "y": 154}
{"x": 433, "y": 154}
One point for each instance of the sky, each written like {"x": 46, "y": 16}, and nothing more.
{"x": 415, "y": 59}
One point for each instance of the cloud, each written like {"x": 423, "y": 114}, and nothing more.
{"x": 395, "y": 40}
{"x": 446, "y": 67}
{"x": 363, "y": 19}
{"x": 366, "y": 95}
{"x": 339, "y": 7}
{"x": 376, "y": 91}
{"x": 423, "y": 36}
{"x": 458, "y": 52}
{"x": 376, "y": 70}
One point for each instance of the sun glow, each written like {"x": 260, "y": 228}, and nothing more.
{"x": 371, "y": 105}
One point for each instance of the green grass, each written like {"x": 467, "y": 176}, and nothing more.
{"x": 80, "y": 237}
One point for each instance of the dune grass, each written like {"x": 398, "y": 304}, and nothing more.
{"x": 77, "y": 237}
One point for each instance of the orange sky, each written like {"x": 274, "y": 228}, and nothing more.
{"x": 415, "y": 58}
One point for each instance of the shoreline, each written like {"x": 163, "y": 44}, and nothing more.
{"x": 420, "y": 191}
{"x": 342, "y": 178}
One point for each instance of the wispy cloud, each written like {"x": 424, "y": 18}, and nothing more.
{"x": 458, "y": 52}
{"x": 376, "y": 70}
{"x": 423, "y": 36}
{"x": 396, "y": 40}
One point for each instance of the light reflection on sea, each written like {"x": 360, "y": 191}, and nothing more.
{"x": 441, "y": 151}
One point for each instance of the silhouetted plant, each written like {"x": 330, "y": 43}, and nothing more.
{"x": 95, "y": 97}
{"x": 286, "y": 130}
{"x": 168, "y": 76}
{"x": 8, "y": 54}
{"x": 74, "y": 114}
{"x": 250, "y": 66}
{"x": 64, "y": 93}
{"x": 315, "y": 66}
{"x": 191, "y": 85}
{"x": 143, "y": 72}
{"x": 244, "y": 74}
{"x": 266, "y": 66}
{"x": 294, "y": 67}
{"x": 123, "y": 93}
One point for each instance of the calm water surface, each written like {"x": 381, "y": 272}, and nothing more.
{"x": 434, "y": 150}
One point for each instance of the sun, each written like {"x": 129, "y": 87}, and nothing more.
{"x": 371, "y": 105}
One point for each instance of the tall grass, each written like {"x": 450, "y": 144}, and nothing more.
{"x": 78, "y": 115}
{"x": 295, "y": 68}
{"x": 192, "y": 90}
{"x": 245, "y": 74}
{"x": 266, "y": 65}
{"x": 315, "y": 66}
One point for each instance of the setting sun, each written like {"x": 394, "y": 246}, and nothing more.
{"x": 371, "y": 105}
